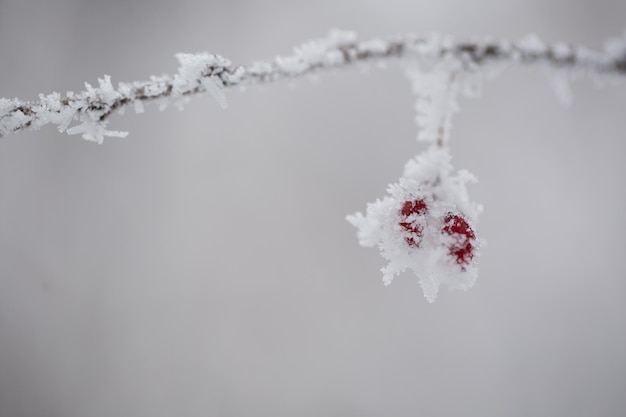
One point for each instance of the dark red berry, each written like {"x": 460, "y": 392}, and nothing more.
{"x": 462, "y": 249}
{"x": 415, "y": 230}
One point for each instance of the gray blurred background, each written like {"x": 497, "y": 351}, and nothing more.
{"x": 203, "y": 267}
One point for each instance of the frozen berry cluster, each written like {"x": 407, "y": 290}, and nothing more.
{"x": 414, "y": 219}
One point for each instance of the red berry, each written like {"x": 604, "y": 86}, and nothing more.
{"x": 463, "y": 247}
{"x": 415, "y": 230}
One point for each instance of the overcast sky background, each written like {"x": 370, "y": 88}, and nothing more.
{"x": 203, "y": 267}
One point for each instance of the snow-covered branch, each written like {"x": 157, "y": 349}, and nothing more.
{"x": 199, "y": 73}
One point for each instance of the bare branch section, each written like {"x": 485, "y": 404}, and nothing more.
{"x": 199, "y": 73}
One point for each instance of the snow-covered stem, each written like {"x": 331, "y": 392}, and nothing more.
{"x": 205, "y": 72}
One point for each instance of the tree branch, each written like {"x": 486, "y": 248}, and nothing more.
{"x": 205, "y": 72}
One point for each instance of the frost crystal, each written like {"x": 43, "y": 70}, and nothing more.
{"x": 436, "y": 91}
{"x": 318, "y": 52}
{"x": 197, "y": 70}
{"x": 214, "y": 86}
{"x": 94, "y": 132}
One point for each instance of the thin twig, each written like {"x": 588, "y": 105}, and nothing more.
{"x": 341, "y": 49}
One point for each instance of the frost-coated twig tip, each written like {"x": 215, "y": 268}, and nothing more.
{"x": 199, "y": 73}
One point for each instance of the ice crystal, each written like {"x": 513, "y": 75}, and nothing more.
{"x": 195, "y": 71}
